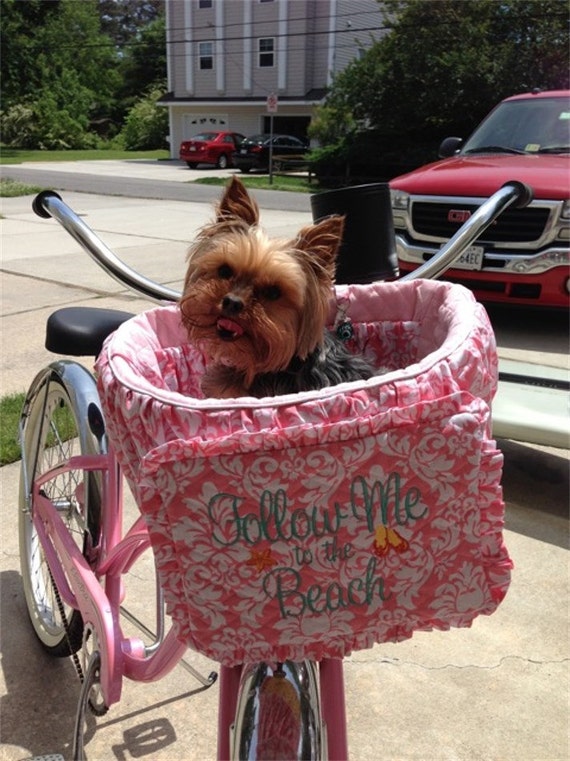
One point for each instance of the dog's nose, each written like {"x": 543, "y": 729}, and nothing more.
{"x": 232, "y": 304}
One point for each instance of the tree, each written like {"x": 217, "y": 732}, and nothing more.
{"x": 137, "y": 28}
{"x": 21, "y": 23}
{"x": 43, "y": 38}
{"x": 123, "y": 20}
{"x": 449, "y": 62}
{"x": 56, "y": 119}
{"x": 144, "y": 63}
{"x": 71, "y": 70}
{"x": 62, "y": 58}
{"x": 441, "y": 68}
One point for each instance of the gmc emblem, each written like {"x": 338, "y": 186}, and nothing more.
{"x": 458, "y": 215}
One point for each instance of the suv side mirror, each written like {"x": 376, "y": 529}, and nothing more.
{"x": 449, "y": 147}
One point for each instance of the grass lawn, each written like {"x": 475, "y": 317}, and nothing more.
{"x": 17, "y": 155}
{"x": 10, "y": 408}
{"x": 10, "y": 188}
{"x": 297, "y": 184}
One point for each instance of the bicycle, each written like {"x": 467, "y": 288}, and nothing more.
{"x": 289, "y": 700}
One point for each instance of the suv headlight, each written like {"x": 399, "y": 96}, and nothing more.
{"x": 400, "y": 200}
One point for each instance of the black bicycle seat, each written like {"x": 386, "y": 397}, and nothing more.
{"x": 81, "y": 331}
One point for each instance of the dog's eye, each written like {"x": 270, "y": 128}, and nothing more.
{"x": 271, "y": 293}
{"x": 225, "y": 271}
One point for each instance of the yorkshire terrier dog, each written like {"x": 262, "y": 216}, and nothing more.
{"x": 258, "y": 307}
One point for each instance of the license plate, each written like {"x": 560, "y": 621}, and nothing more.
{"x": 470, "y": 259}
{"x": 243, "y": 151}
{"x": 192, "y": 147}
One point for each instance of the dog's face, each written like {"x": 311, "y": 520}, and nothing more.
{"x": 254, "y": 303}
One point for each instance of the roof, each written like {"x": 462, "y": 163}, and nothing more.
{"x": 541, "y": 94}
{"x": 315, "y": 94}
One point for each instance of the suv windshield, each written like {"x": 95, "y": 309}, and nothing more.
{"x": 532, "y": 125}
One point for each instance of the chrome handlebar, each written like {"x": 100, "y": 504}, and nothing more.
{"x": 49, "y": 204}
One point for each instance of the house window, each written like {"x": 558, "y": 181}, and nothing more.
{"x": 204, "y": 3}
{"x": 206, "y": 53}
{"x": 266, "y": 51}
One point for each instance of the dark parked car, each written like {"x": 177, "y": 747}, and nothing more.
{"x": 253, "y": 153}
{"x": 210, "y": 148}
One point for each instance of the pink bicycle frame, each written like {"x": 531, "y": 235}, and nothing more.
{"x": 78, "y": 584}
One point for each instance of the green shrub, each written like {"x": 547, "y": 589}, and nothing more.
{"x": 373, "y": 156}
{"x": 19, "y": 125}
{"x": 41, "y": 124}
{"x": 330, "y": 163}
{"x": 146, "y": 125}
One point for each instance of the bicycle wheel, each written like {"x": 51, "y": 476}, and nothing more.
{"x": 54, "y": 430}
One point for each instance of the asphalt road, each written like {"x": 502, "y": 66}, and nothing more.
{"x": 140, "y": 187}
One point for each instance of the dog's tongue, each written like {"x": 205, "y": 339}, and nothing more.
{"x": 230, "y": 327}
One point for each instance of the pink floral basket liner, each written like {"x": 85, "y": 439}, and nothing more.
{"x": 314, "y": 524}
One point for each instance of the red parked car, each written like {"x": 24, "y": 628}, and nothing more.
{"x": 210, "y": 148}
{"x": 523, "y": 257}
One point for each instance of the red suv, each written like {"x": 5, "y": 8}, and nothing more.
{"x": 210, "y": 148}
{"x": 523, "y": 257}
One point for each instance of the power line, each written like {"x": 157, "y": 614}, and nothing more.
{"x": 274, "y": 35}
{"x": 385, "y": 27}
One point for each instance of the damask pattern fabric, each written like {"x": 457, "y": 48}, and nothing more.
{"x": 310, "y": 525}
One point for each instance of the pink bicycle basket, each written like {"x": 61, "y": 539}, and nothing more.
{"x": 310, "y": 525}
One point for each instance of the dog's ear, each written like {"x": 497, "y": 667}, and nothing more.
{"x": 320, "y": 242}
{"x": 316, "y": 249}
{"x": 236, "y": 203}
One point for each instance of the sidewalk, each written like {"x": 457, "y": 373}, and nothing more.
{"x": 495, "y": 692}
{"x": 167, "y": 170}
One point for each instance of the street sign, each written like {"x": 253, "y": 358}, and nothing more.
{"x": 272, "y": 103}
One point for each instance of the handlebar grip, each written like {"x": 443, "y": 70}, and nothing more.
{"x": 38, "y": 203}
{"x": 525, "y": 194}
